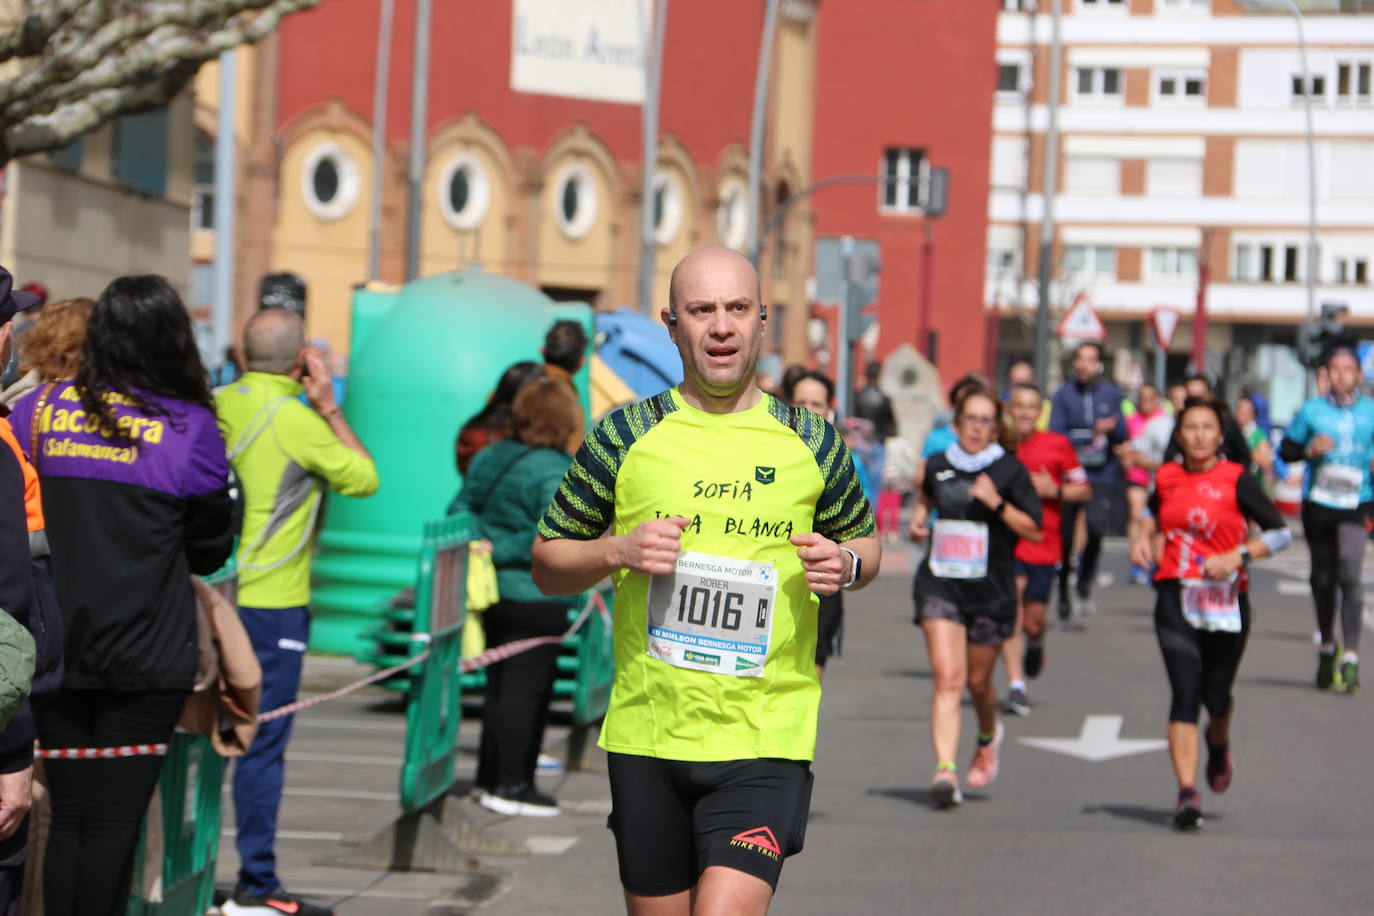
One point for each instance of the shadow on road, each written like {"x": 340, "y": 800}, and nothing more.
{"x": 919, "y": 795}
{"x": 1288, "y": 683}
{"x": 907, "y": 672}
{"x": 1158, "y": 817}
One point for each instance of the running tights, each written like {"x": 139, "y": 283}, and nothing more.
{"x": 1086, "y": 565}
{"x": 1201, "y": 666}
{"x": 99, "y": 805}
{"x": 1337, "y": 541}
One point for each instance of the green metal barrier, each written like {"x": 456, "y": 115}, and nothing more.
{"x": 433, "y": 833}
{"x": 586, "y": 662}
{"x": 190, "y": 787}
{"x": 434, "y": 709}
{"x": 191, "y": 791}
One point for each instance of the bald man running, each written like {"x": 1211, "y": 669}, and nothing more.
{"x": 719, "y": 513}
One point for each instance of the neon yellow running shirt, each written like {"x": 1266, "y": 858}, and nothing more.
{"x": 747, "y": 481}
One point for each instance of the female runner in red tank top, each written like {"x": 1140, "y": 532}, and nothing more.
{"x": 1202, "y": 508}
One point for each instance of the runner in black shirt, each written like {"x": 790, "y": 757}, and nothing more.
{"x": 965, "y": 589}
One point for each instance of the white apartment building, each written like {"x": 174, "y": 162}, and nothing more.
{"x": 1182, "y": 139}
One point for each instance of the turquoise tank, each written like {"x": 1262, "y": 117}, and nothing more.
{"x": 422, "y": 361}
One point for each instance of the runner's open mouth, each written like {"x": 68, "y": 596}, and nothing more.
{"x": 721, "y": 352}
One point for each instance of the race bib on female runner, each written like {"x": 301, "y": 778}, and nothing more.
{"x": 1211, "y": 605}
{"x": 713, "y": 614}
{"x": 959, "y": 549}
{"x": 1337, "y": 485}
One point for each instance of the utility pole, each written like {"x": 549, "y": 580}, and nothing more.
{"x": 380, "y": 84}
{"x": 419, "y": 111}
{"x": 226, "y": 185}
{"x": 1051, "y": 180}
{"x": 1200, "y": 310}
{"x": 844, "y": 370}
{"x": 770, "y": 28}
{"x": 653, "y": 77}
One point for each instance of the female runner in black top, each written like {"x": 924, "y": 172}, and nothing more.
{"x": 965, "y": 588}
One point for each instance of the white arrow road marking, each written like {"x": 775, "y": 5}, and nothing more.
{"x": 1099, "y": 740}
{"x": 549, "y": 845}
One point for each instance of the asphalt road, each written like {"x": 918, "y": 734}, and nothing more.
{"x": 1055, "y": 834}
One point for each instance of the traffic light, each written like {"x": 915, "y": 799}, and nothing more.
{"x": 1316, "y": 339}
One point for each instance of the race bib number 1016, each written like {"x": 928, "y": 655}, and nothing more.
{"x": 713, "y": 614}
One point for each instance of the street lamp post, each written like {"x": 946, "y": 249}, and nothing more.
{"x": 1312, "y": 252}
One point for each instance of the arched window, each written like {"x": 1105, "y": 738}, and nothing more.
{"x": 574, "y": 201}
{"x": 329, "y": 182}
{"x": 464, "y": 191}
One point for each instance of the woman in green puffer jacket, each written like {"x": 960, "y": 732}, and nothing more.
{"x": 507, "y": 488}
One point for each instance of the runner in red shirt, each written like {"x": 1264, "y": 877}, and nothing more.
{"x": 1057, "y": 477}
{"x": 1202, "y": 608}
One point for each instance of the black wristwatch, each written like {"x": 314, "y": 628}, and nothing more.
{"x": 1000, "y": 506}
{"x": 1244, "y": 556}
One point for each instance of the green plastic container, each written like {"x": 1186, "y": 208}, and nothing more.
{"x": 419, "y": 370}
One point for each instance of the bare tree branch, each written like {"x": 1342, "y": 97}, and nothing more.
{"x": 103, "y": 58}
{"x": 31, "y": 34}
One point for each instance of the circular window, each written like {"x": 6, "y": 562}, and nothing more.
{"x": 667, "y": 208}
{"x": 574, "y": 201}
{"x": 731, "y": 215}
{"x": 329, "y": 182}
{"x": 464, "y": 192}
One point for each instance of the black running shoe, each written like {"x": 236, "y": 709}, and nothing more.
{"x": 1350, "y": 678}
{"x": 1065, "y": 606}
{"x": 1017, "y": 703}
{"x": 1034, "y": 659}
{"x": 1326, "y": 670}
{"x": 1188, "y": 810}
{"x": 276, "y": 903}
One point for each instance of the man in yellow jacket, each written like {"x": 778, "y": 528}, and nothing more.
{"x": 285, "y": 455}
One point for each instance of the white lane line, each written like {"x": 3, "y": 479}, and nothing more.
{"x": 550, "y": 845}
{"x": 345, "y": 794}
{"x": 350, "y": 724}
{"x": 325, "y": 836}
{"x": 593, "y": 806}
{"x": 374, "y": 893}
{"x": 362, "y": 759}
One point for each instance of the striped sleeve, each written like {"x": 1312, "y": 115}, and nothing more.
{"x": 843, "y": 512}
{"x": 585, "y": 502}
{"x": 584, "y": 506}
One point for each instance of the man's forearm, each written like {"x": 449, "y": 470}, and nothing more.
{"x": 566, "y": 566}
{"x": 335, "y": 418}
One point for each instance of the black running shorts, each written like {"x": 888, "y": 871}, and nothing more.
{"x": 983, "y": 630}
{"x": 1039, "y": 579}
{"x": 673, "y": 819}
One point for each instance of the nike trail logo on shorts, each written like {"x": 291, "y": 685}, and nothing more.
{"x": 761, "y": 838}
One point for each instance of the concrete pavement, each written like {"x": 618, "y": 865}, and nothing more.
{"x": 1055, "y": 834}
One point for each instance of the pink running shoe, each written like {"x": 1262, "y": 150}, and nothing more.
{"x": 1220, "y": 768}
{"x": 983, "y": 771}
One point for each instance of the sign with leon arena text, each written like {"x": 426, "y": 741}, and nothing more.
{"x": 582, "y": 49}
